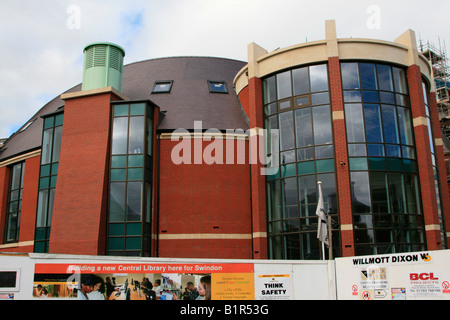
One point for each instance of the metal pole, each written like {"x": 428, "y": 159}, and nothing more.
{"x": 330, "y": 243}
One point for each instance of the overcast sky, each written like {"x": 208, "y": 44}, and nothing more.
{"x": 42, "y": 41}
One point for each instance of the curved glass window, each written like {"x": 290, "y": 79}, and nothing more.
{"x": 297, "y": 103}
{"x": 383, "y": 169}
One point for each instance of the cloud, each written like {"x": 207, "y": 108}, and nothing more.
{"x": 43, "y": 41}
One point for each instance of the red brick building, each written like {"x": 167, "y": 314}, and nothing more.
{"x": 200, "y": 157}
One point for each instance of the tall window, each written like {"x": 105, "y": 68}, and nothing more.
{"x": 51, "y": 147}
{"x": 130, "y": 180}
{"x": 382, "y": 159}
{"x": 297, "y": 102}
{"x": 14, "y": 203}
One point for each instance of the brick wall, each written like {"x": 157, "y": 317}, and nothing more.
{"x": 204, "y": 209}
{"x": 342, "y": 168}
{"x": 79, "y": 214}
{"x": 424, "y": 158}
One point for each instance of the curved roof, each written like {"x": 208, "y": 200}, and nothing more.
{"x": 189, "y": 100}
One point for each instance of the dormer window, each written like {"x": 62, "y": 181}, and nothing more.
{"x": 162, "y": 86}
{"x": 217, "y": 87}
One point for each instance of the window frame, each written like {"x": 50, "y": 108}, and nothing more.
{"x": 223, "y": 83}
{"x": 162, "y": 82}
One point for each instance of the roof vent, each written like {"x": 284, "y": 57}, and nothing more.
{"x": 103, "y": 66}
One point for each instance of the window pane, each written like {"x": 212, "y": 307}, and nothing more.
{"x": 136, "y": 138}
{"x": 373, "y": 124}
{"x": 368, "y": 76}
{"x": 390, "y": 124}
{"x": 120, "y": 133}
{"x": 404, "y": 120}
{"x": 307, "y": 195}
{"x": 412, "y": 194}
{"x": 47, "y": 142}
{"x": 284, "y": 85}
{"x": 322, "y": 125}
{"x": 350, "y": 76}
{"x": 329, "y": 191}
{"x": 121, "y": 110}
{"x": 397, "y": 200}
{"x": 137, "y": 109}
{"x": 303, "y": 127}
{"x": 361, "y": 192}
{"x": 117, "y": 202}
{"x": 286, "y": 130}
{"x": 301, "y": 81}
{"x": 274, "y": 196}
{"x": 379, "y": 190}
{"x": 269, "y": 90}
{"x": 57, "y": 143}
{"x": 324, "y": 152}
{"x": 320, "y": 98}
{"x": 305, "y": 154}
{"x": 118, "y": 161}
{"x": 319, "y": 78}
{"x": 357, "y": 150}
{"x": 42, "y": 209}
{"x": 134, "y": 201}
{"x": 354, "y": 122}
{"x": 352, "y": 96}
{"x": 399, "y": 80}
{"x": 289, "y": 188}
{"x": 384, "y": 78}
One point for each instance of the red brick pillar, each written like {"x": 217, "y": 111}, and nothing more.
{"x": 342, "y": 168}
{"x": 80, "y": 206}
{"x": 258, "y": 180}
{"x": 426, "y": 176}
{"x": 29, "y": 201}
{"x": 440, "y": 163}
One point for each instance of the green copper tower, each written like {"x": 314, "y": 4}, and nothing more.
{"x": 103, "y": 66}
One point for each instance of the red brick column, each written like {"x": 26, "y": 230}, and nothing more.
{"x": 258, "y": 181}
{"x": 440, "y": 163}
{"x": 342, "y": 169}
{"x": 80, "y": 207}
{"x": 29, "y": 202}
{"x": 426, "y": 177}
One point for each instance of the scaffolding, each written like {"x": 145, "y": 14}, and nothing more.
{"x": 437, "y": 57}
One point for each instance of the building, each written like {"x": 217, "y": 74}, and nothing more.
{"x": 215, "y": 158}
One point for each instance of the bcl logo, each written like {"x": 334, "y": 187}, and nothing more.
{"x": 422, "y": 276}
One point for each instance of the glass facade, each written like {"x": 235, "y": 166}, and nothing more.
{"x": 14, "y": 203}
{"x": 130, "y": 179}
{"x": 297, "y": 103}
{"x": 51, "y": 147}
{"x": 386, "y": 204}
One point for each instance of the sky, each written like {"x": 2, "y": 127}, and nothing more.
{"x": 42, "y": 41}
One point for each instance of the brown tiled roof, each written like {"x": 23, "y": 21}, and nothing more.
{"x": 188, "y": 101}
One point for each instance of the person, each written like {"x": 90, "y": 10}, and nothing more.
{"x": 37, "y": 291}
{"x": 147, "y": 286}
{"x": 201, "y": 292}
{"x": 110, "y": 288}
{"x": 98, "y": 291}
{"x": 206, "y": 282}
{"x": 193, "y": 293}
{"x": 157, "y": 288}
{"x": 87, "y": 284}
